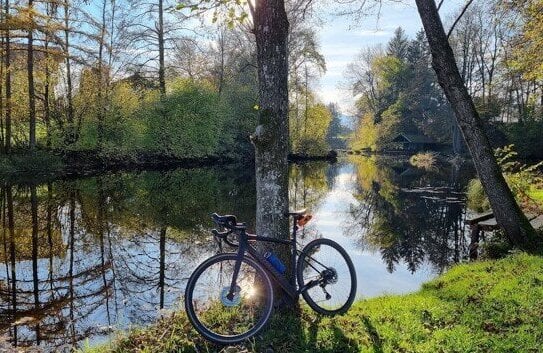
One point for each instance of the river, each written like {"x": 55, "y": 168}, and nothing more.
{"x": 84, "y": 258}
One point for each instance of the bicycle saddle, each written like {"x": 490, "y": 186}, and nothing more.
{"x": 224, "y": 220}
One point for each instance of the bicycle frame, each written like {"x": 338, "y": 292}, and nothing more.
{"x": 290, "y": 288}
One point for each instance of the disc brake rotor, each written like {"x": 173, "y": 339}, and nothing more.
{"x": 236, "y": 299}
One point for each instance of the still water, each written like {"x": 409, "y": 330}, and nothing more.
{"x": 82, "y": 258}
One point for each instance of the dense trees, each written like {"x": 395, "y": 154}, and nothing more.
{"x": 397, "y": 93}
{"x": 493, "y": 43}
{"x": 99, "y": 75}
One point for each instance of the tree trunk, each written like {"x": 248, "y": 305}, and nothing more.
{"x": 161, "y": 63}
{"x": 70, "y": 136}
{"x": 46, "y": 93}
{"x": 30, "y": 75}
{"x": 508, "y": 214}
{"x": 7, "y": 67}
{"x": 271, "y": 138}
{"x": 1, "y": 90}
{"x": 100, "y": 93}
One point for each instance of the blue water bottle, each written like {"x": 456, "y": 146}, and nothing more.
{"x": 275, "y": 262}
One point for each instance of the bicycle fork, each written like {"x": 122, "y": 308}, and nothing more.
{"x": 233, "y": 285}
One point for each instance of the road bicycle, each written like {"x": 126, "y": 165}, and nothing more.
{"x": 230, "y": 296}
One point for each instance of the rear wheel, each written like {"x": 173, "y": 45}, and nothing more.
{"x": 327, "y": 271}
{"x": 223, "y": 317}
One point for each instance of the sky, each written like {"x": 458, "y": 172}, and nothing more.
{"x": 341, "y": 39}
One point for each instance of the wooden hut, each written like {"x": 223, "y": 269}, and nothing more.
{"x": 415, "y": 142}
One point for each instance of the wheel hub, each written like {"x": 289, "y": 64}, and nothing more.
{"x": 329, "y": 275}
{"x": 231, "y": 300}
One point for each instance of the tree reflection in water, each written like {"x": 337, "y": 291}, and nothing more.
{"x": 82, "y": 257}
{"x": 410, "y": 215}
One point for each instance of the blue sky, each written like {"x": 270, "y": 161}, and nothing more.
{"x": 342, "y": 39}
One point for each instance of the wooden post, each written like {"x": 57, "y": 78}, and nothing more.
{"x": 474, "y": 243}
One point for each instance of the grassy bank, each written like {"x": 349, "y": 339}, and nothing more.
{"x": 489, "y": 306}
{"x": 46, "y": 164}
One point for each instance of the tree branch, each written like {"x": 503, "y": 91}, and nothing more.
{"x": 459, "y": 17}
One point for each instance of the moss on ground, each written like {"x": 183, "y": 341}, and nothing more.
{"x": 487, "y": 306}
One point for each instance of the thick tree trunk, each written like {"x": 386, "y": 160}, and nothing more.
{"x": 508, "y": 214}
{"x": 271, "y": 138}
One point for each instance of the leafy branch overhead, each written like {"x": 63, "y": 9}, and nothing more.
{"x": 231, "y": 12}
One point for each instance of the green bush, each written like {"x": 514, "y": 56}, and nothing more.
{"x": 526, "y": 183}
{"x": 30, "y": 163}
{"x": 477, "y": 199}
{"x": 424, "y": 160}
{"x": 190, "y": 122}
{"x": 527, "y": 137}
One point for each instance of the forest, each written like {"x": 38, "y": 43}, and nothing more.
{"x": 120, "y": 79}
{"x": 494, "y": 44}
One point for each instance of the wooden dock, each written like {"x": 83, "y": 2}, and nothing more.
{"x": 486, "y": 222}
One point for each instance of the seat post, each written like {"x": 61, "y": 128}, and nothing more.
{"x": 293, "y": 249}
{"x": 294, "y": 228}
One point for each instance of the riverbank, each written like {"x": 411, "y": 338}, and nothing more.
{"x": 487, "y": 306}
{"x": 62, "y": 164}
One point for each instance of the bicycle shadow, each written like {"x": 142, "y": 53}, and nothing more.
{"x": 295, "y": 332}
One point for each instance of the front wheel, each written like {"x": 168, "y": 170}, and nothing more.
{"x": 327, "y": 273}
{"x": 222, "y": 316}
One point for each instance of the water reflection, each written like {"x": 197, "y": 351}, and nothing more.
{"x": 83, "y": 257}
{"x": 410, "y": 215}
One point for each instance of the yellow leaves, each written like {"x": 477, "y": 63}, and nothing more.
{"x": 26, "y": 18}
{"x": 309, "y": 127}
{"x": 366, "y": 135}
{"x": 529, "y": 46}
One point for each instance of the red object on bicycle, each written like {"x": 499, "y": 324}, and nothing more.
{"x": 302, "y": 221}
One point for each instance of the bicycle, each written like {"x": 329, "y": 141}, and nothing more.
{"x": 229, "y": 297}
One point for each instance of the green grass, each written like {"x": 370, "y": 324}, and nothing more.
{"x": 536, "y": 195}
{"x": 488, "y": 306}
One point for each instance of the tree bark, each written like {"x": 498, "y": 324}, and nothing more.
{"x": 507, "y": 212}
{"x": 271, "y": 138}
{"x": 101, "y": 86}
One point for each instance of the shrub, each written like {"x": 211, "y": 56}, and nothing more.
{"x": 526, "y": 183}
{"x": 424, "y": 160}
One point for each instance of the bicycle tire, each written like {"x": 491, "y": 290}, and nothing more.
{"x": 217, "y": 309}
{"x": 305, "y": 273}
